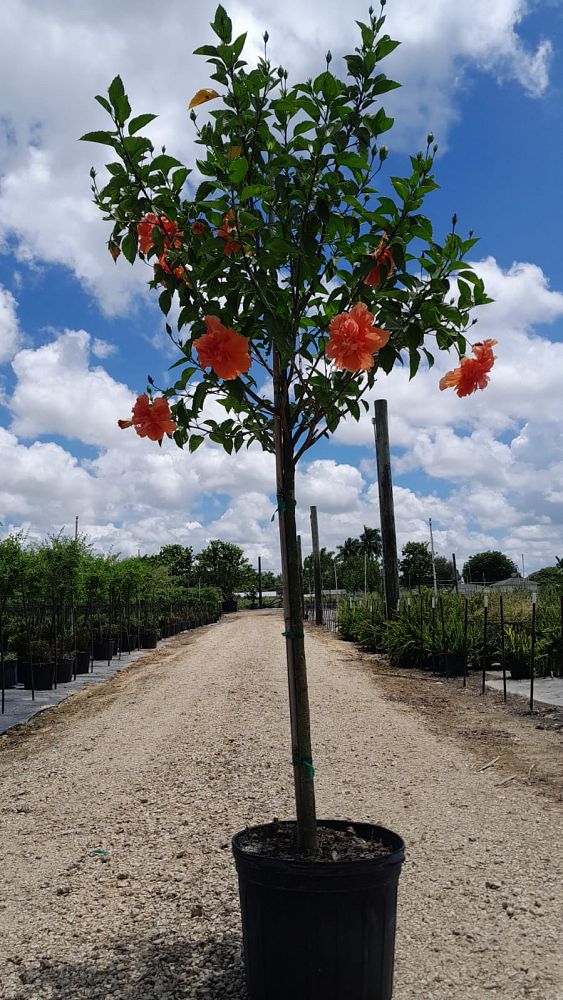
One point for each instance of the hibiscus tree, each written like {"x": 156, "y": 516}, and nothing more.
{"x": 294, "y": 262}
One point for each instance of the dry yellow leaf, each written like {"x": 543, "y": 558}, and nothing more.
{"x": 234, "y": 151}
{"x": 206, "y": 94}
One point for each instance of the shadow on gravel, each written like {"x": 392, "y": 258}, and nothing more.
{"x": 209, "y": 969}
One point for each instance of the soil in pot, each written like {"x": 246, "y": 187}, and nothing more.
{"x": 320, "y": 928}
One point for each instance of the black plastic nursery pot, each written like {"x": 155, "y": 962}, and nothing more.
{"x": 10, "y": 673}
{"x": 454, "y": 664}
{"x": 65, "y": 669}
{"x": 519, "y": 667}
{"x": 149, "y": 640}
{"x": 43, "y": 675}
{"x": 83, "y": 661}
{"x": 320, "y": 930}
{"x": 102, "y": 649}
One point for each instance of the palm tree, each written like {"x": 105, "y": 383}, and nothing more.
{"x": 350, "y": 548}
{"x": 370, "y": 542}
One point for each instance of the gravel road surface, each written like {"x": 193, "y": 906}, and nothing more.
{"x": 117, "y": 810}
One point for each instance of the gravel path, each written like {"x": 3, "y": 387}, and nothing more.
{"x": 117, "y": 810}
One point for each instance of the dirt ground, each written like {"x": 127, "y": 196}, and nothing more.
{"x": 117, "y": 809}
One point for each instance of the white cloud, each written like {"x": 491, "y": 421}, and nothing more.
{"x": 499, "y": 491}
{"x": 57, "y": 393}
{"x": 45, "y": 200}
{"x": 9, "y": 329}
{"x": 102, "y": 348}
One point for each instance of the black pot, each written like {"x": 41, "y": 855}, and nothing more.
{"x": 519, "y": 668}
{"x": 65, "y": 669}
{"x": 128, "y": 642}
{"x": 102, "y": 649}
{"x": 43, "y": 675}
{"x": 320, "y": 929}
{"x": 454, "y": 664}
{"x": 83, "y": 661}
{"x": 10, "y": 673}
{"x": 149, "y": 639}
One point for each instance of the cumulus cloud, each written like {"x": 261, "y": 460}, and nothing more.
{"x": 45, "y": 204}
{"x": 9, "y": 329}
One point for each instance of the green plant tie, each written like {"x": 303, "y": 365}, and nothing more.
{"x": 294, "y": 635}
{"x": 306, "y": 763}
{"x": 282, "y": 505}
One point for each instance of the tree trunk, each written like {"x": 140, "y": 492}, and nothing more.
{"x": 303, "y": 772}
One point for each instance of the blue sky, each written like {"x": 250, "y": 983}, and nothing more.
{"x": 78, "y": 335}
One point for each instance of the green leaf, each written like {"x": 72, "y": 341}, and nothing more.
{"x": 381, "y": 85}
{"x": 104, "y": 102}
{"x": 206, "y": 50}
{"x": 195, "y": 441}
{"x": 222, "y": 25}
{"x": 382, "y": 122}
{"x": 385, "y": 46}
{"x": 238, "y": 45}
{"x": 179, "y": 178}
{"x": 122, "y": 109}
{"x": 327, "y": 84}
{"x": 165, "y": 301}
{"x": 401, "y": 188}
{"x": 106, "y": 138}
{"x": 238, "y": 169}
{"x": 116, "y": 90}
{"x": 165, "y": 163}
{"x": 414, "y": 361}
{"x": 129, "y": 245}
{"x": 205, "y": 189}
{"x": 253, "y": 191}
{"x": 139, "y": 122}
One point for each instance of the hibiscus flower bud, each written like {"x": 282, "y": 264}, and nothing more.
{"x": 383, "y": 153}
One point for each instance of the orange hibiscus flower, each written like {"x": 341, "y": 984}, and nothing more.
{"x": 224, "y": 231}
{"x": 473, "y": 373}
{"x": 384, "y": 264}
{"x": 152, "y": 420}
{"x": 224, "y": 350}
{"x": 179, "y": 272}
{"x": 354, "y": 339}
{"x": 198, "y": 228}
{"x": 170, "y": 230}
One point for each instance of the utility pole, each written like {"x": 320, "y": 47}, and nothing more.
{"x": 317, "y": 568}
{"x": 76, "y": 528}
{"x": 259, "y": 581}
{"x": 434, "y": 580}
{"x": 386, "y": 508}
{"x": 455, "y": 574}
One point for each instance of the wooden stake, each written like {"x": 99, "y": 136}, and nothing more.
{"x": 386, "y": 509}
{"x": 259, "y": 581}
{"x": 317, "y": 568}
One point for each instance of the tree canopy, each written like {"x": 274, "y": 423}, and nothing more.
{"x": 490, "y": 567}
